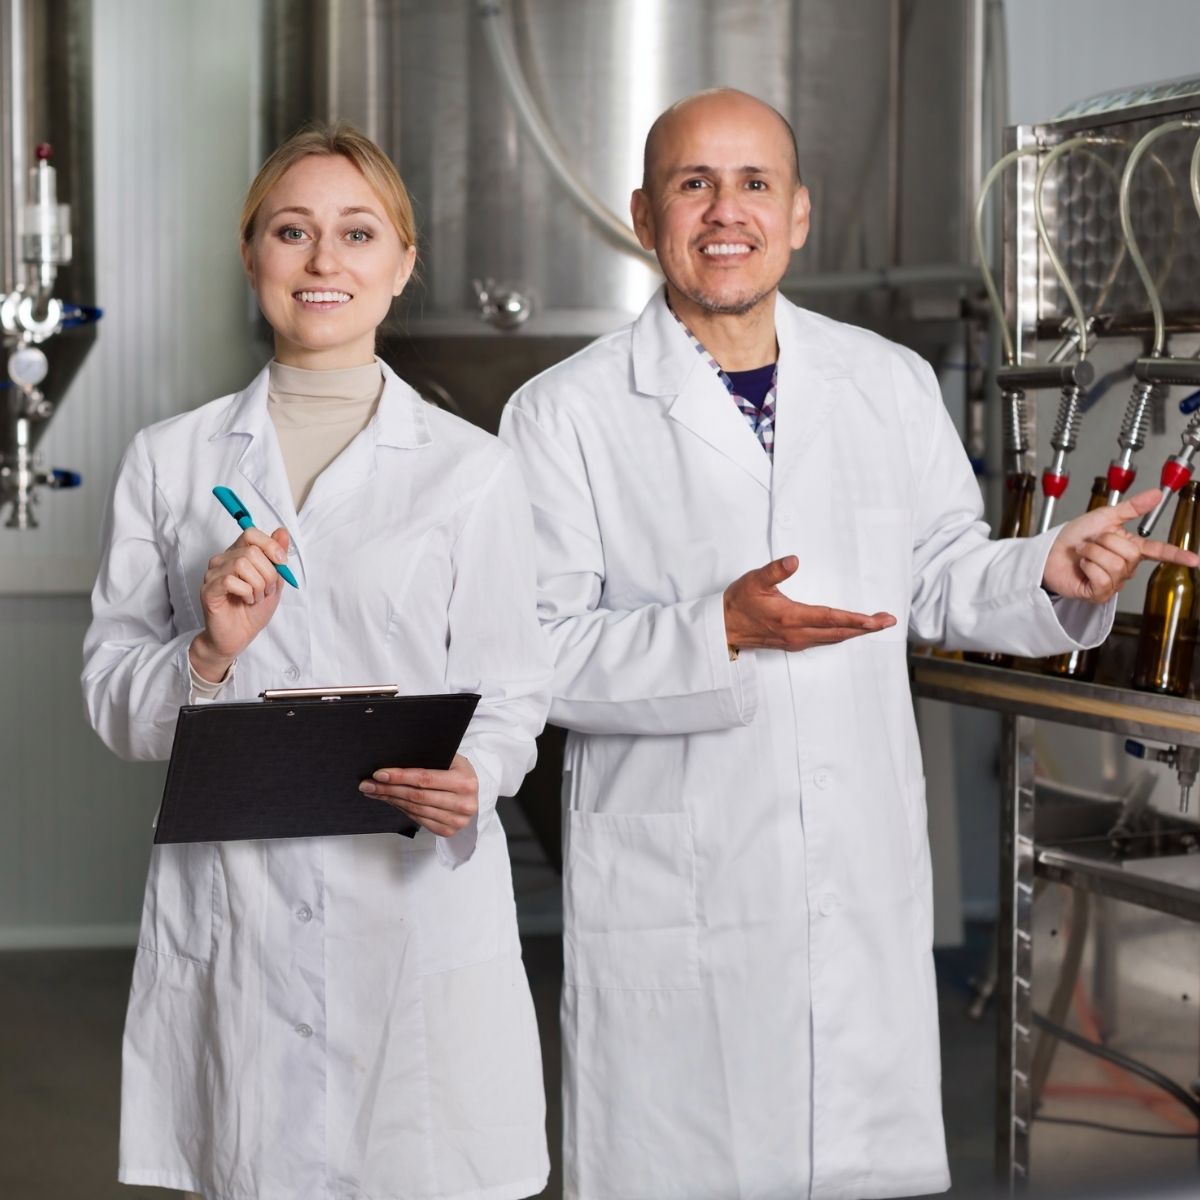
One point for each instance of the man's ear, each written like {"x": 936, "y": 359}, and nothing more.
{"x": 801, "y": 210}
{"x": 642, "y": 212}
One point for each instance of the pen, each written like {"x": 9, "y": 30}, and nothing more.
{"x": 238, "y": 511}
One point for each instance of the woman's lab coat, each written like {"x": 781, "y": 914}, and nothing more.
{"x": 749, "y": 1003}
{"x": 322, "y": 1017}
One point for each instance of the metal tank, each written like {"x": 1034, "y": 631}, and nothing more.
{"x": 885, "y": 98}
{"x": 47, "y": 276}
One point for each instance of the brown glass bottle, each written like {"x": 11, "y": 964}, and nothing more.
{"x": 1016, "y": 520}
{"x": 1168, "y": 637}
{"x": 1081, "y": 664}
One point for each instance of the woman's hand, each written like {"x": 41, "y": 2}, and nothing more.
{"x": 239, "y": 595}
{"x": 441, "y": 801}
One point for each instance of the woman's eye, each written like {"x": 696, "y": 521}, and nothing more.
{"x": 359, "y": 235}
{"x": 291, "y": 233}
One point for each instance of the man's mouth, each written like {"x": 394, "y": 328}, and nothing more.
{"x": 726, "y": 249}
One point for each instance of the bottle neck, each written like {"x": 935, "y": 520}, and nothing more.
{"x": 1183, "y": 525}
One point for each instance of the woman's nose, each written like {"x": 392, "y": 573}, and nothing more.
{"x": 322, "y": 259}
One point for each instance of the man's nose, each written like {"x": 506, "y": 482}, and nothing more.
{"x": 725, "y": 206}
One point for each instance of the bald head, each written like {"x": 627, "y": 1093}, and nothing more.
{"x": 715, "y": 103}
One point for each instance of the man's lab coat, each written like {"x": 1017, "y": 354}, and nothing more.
{"x": 342, "y": 1016}
{"x": 749, "y": 1000}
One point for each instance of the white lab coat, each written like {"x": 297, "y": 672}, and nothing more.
{"x": 749, "y": 1005}
{"x": 330, "y": 1017}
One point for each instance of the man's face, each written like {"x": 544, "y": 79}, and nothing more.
{"x": 722, "y": 208}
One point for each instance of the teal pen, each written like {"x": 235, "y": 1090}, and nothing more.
{"x": 238, "y": 511}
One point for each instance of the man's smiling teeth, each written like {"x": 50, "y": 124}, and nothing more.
{"x": 725, "y": 248}
{"x": 323, "y": 297}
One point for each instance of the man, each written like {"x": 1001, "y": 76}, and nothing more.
{"x": 748, "y": 1004}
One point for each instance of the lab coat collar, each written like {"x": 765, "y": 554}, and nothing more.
{"x": 811, "y": 381}
{"x": 399, "y": 422}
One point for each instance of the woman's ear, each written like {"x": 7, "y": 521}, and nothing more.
{"x": 247, "y": 253}
{"x": 405, "y": 270}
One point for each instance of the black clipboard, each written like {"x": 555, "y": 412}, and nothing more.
{"x": 289, "y": 765}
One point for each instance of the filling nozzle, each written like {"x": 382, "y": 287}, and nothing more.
{"x": 1176, "y": 471}
{"x": 1122, "y": 470}
{"x": 1016, "y": 429}
{"x": 45, "y": 230}
{"x": 1066, "y": 430}
{"x": 1185, "y": 760}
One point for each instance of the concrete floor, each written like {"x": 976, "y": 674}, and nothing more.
{"x": 61, "y": 1014}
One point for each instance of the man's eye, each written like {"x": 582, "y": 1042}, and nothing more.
{"x": 757, "y": 185}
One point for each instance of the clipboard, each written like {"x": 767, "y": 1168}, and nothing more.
{"x": 289, "y": 765}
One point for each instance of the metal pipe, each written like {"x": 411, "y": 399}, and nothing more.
{"x": 512, "y": 80}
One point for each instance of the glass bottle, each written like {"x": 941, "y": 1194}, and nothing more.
{"x": 1081, "y": 664}
{"x": 1016, "y": 520}
{"x": 1168, "y": 637}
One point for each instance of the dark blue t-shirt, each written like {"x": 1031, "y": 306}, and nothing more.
{"x": 753, "y": 385}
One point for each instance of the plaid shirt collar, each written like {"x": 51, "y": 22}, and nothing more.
{"x": 762, "y": 420}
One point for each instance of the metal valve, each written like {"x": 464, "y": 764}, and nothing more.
{"x": 1185, "y": 760}
{"x": 1176, "y": 471}
{"x": 1066, "y": 432}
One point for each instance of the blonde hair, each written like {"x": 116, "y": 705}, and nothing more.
{"x": 328, "y": 140}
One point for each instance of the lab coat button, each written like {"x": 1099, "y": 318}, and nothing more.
{"x": 821, "y": 778}
{"x": 304, "y": 913}
{"x": 827, "y": 904}
{"x": 292, "y": 674}
{"x": 305, "y": 1031}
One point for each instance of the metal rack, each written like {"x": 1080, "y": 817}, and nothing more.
{"x": 1032, "y": 847}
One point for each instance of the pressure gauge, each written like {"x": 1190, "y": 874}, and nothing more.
{"x": 27, "y": 366}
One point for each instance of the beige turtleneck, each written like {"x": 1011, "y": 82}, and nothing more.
{"x": 317, "y": 414}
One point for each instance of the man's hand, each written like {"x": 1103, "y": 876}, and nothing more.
{"x": 1094, "y": 556}
{"x": 759, "y": 616}
{"x": 441, "y": 801}
{"x": 238, "y": 596}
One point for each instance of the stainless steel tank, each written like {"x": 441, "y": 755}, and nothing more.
{"x": 884, "y": 97}
{"x": 45, "y": 101}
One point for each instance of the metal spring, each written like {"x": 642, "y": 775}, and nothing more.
{"x": 1137, "y": 417}
{"x": 1066, "y": 428}
{"x": 1016, "y": 424}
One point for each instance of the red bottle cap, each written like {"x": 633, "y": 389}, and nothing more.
{"x": 1174, "y": 475}
{"x": 1054, "y": 485}
{"x": 1120, "y": 479}
{"x": 44, "y": 152}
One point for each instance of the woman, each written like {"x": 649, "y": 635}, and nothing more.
{"x": 328, "y": 1017}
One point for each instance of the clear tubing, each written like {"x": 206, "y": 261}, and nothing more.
{"x": 989, "y": 283}
{"x": 1194, "y": 176}
{"x": 534, "y": 124}
{"x": 1160, "y": 331}
{"x": 1039, "y": 217}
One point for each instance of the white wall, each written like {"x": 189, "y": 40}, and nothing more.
{"x": 173, "y": 94}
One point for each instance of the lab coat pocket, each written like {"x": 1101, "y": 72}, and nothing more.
{"x": 177, "y": 919}
{"x": 883, "y": 541}
{"x": 630, "y": 901}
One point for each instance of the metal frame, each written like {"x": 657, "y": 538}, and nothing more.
{"x": 1023, "y": 698}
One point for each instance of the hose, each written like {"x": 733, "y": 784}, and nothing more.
{"x": 1160, "y": 332}
{"x": 512, "y": 80}
{"x": 989, "y": 282}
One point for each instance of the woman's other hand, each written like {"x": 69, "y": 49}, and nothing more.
{"x": 441, "y": 801}
{"x": 239, "y": 595}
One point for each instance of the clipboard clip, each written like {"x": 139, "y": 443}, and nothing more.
{"x": 349, "y": 691}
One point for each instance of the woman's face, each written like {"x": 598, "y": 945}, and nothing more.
{"x": 325, "y": 263}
